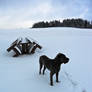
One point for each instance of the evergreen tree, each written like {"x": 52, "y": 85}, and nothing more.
{"x": 79, "y": 23}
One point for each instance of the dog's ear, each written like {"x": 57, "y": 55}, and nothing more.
{"x": 59, "y": 55}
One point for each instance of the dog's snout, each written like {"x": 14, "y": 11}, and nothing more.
{"x": 67, "y": 59}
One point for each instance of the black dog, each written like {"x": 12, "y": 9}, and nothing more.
{"x": 53, "y": 65}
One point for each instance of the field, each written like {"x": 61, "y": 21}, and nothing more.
{"x": 21, "y": 74}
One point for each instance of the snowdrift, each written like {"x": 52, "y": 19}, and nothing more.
{"x": 22, "y": 74}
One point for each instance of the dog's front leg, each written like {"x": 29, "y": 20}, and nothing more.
{"x": 41, "y": 65}
{"x": 51, "y": 78}
{"x": 57, "y": 77}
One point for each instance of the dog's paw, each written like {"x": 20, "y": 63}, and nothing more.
{"x": 51, "y": 84}
{"x": 58, "y": 81}
{"x": 43, "y": 73}
{"x": 39, "y": 73}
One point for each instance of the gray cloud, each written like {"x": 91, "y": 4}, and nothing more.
{"x": 22, "y": 13}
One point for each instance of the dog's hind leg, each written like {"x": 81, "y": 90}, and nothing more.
{"x": 44, "y": 69}
{"x": 41, "y": 65}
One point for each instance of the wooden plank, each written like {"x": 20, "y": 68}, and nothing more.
{"x": 16, "y": 52}
{"x": 11, "y": 47}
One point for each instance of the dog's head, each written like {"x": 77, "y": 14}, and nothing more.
{"x": 62, "y": 58}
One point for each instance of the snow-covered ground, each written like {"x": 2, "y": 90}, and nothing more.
{"x": 21, "y": 74}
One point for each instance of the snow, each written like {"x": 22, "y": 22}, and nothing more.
{"x": 21, "y": 74}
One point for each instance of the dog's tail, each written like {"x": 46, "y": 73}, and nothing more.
{"x": 40, "y": 60}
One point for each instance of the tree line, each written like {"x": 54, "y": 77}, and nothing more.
{"x": 78, "y": 23}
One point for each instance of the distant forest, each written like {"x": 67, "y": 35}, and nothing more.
{"x": 78, "y": 23}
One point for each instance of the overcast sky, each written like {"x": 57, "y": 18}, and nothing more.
{"x": 23, "y": 13}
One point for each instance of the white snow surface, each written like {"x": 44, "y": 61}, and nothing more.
{"x": 21, "y": 74}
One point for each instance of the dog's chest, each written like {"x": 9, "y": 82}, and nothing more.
{"x": 55, "y": 68}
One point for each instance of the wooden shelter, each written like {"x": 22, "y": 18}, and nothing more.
{"x": 24, "y": 46}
